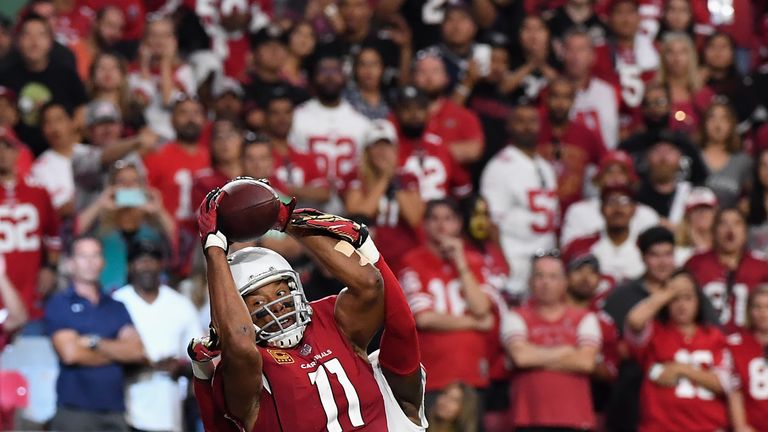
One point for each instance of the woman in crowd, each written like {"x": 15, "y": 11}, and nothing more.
{"x": 729, "y": 167}
{"x": 679, "y": 72}
{"x": 694, "y": 232}
{"x": 757, "y": 214}
{"x": 126, "y": 211}
{"x": 454, "y": 410}
{"x": 684, "y": 360}
{"x": 719, "y": 73}
{"x": 301, "y": 44}
{"x": 677, "y": 17}
{"x": 365, "y": 91}
{"x": 108, "y": 79}
{"x": 534, "y": 67}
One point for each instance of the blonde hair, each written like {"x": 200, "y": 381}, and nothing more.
{"x": 694, "y": 80}
{"x": 466, "y": 420}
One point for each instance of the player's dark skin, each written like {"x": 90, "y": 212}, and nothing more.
{"x": 359, "y": 314}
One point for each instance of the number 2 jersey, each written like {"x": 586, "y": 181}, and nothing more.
{"x": 750, "y": 373}
{"x": 322, "y": 384}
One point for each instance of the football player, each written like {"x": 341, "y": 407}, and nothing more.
{"x": 290, "y": 365}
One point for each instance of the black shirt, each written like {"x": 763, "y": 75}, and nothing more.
{"x": 57, "y": 83}
{"x": 560, "y": 23}
{"x": 492, "y": 108}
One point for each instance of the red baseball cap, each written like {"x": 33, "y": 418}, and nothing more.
{"x": 7, "y": 93}
{"x": 617, "y": 157}
{"x": 700, "y": 197}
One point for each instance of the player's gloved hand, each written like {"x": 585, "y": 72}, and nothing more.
{"x": 201, "y": 351}
{"x": 287, "y": 204}
{"x": 206, "y": 222}
{"x": 332, "y": 225}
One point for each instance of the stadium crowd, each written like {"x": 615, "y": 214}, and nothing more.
{"x": 574, "y": 194}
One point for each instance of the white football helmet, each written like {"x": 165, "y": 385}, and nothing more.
{"x": 254, "y": 267}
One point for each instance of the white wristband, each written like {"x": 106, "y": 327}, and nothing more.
{"x": 216, "y": 239}
{"x": 203, "y": 370}
{"x": 369, "y": 251}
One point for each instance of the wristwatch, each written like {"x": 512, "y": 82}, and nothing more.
{"x": 93, "y": 341}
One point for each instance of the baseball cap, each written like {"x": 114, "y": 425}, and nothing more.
{"x": 227, "y": 85}
{"x": 410, "y": 94}
{"x": 700, "y": 196}
{"x": 617, "y": 157}
{"x": 625, "y": 190}
{"x": 7, "y": 93}
{"x": 380, "y": 130}
{"x": 101, "y": 111}
{"x": 141, "y": 248}
{"x": 271, "y": 33}
{"x": 7, "y": 137}
{"x": 584, "y": 259}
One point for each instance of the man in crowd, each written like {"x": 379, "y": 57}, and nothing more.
{"x": 521, "y": 191}
{"x": 615, "y": 246}
{"x": 661, "y": 188}
{"x": 554, "y": 347}
{"x": 596, "y": 103}
{"x": 458, "y": 48}
{"x": 444, "y": 287}
{"x": 166, "y": 321}
{"x": 569, "y": 145}
{"x": 729, "y": 271}
{"x": 93, "y": 336}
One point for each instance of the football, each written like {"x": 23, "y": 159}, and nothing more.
{"x": 247, "y": 210}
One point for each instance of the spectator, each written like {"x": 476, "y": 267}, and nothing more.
{"x": 628, "y": 59}
{"x": 301, "y": 45}
{"x": 576, "y": 14}
{"x": 596, "y": 103}
{"x": 53, "y": 168}
{"x": 615, "y": 247}
{"x": 757, "y": 217}
{"x": 443, "y": 284}
{"x": 37, "y": 79}
{"x": 584, "y": 217}
{"x": 661, "y": 189}
{"x": 482, "y": 237}
{"x": 677, "y": 17}
{"x": 108, "y": 80}
{"x": 124, "y": 212}
{"x": 107, "y": 31}
{"x": 679, "y": 72}
{"x": 568, "y": 145}
{"x": 70, "y": 21}
{"x": 694, "y": 233}
{"x": 719, "y": 73}
{"x": 329, "y": 126}
{"x": 424, "y": 154}
{"x": 729, "y": 271}
{"x": 729, "y": 167}
{"x": 460, "y": 53}
{"x": 535, "y": 67}
{"x": 166, "y": 321}
{"x": 455, "y": 410}
{"x": 459, "y": 128}
{"x": 161, "y": 77}
{"x": 9, "y": 118}
{"x": 31, "y": 254}
{"x": 521, "y": 191}
{"x": 684, "y": 359}
{"x": 170, "y": 170}
{"x": 94, "y": 337}
{"x": 385, "y": 195}
{"x": 13, "y": 313}
{"x": 365, "y": 92}
{"x": 424, "y": 22}
{"x": 259, "y": 162}
{"x": 135, "y": 20}
{"x": 747, "y": 402}
{"x": 226, "y": 159}
{"x": 90, "y": 164}
{"x": 227, "y": 96}
{"x": 554, "y": 347}
{"x": 298, "y": 172}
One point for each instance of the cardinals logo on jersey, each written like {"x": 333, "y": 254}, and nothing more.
{"x": 281, "y": 357}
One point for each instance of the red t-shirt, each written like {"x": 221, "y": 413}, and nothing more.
{"x": 570, "y": 155}
{"x": 321, "y": 383}
{"x": 751, "y": 375}
{"x": 72, "y": 26}
{"x": 204, "y": 181}
{"x": 685, "y": 407}
{"x": 133, "y": 12}
{"x": 453, "y": 123}
{"x": 30, "y": 226}
{"x": 430, "y": 162}
{"x": 712, "y": 277}
{"x": 394, "y": 237}
{"x": 170, "y": 171}
{"x": 431, "y": 284}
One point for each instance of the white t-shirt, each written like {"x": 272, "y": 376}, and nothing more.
{"x": 396, "y": 418}
{"x": 53, "y": 171}
{"x": 153, "y": 399}
{"x": 619, "y": 262}
{"x": 597, "y": 106}
{"x": 583, "y": 218}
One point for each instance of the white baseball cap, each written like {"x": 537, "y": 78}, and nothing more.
{"x": 700, "y": 197}
{"x": 380, "y": 130}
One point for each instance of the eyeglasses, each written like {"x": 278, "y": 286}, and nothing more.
{"x": 617, "y": 200}
{"x": 655, "y": 103}
{"x": 546, "y": 253}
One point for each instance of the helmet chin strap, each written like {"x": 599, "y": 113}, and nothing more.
{"x": 288, "y": 339}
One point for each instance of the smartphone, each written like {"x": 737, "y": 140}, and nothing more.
{"x": 130, "y": 197}
{"x": 481, "y": 54}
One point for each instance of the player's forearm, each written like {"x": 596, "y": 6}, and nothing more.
{"x": 411, "y": 207}
{"x": 467, "y": 150}
{"x": 435, "y": 321}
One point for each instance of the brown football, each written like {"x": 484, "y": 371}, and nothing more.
{"x": 248, "y": 209}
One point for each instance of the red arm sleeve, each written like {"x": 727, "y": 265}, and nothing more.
{"x": 399, "y": 351}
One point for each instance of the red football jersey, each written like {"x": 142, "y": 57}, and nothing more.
{"x": 570, "y": 155}
{"x": 204, "y": 181}
{"x": 429, "y": 160}
{"x": 712, "y": 276}
{"x": 431, "y": 284}
{"x": 609, "y": 351}
{"x": 685, "y": 407}
{"x": 393, "y": 235}
{"x": 170, "y": 171}
{"x": 29, "y": 224}
{"x": 133, "y": 11}
{"x": 321, "y": 384}
{"x": 751, "y": 374}
{"x": 297, "y": 169}
{"x": 454, "y": 123}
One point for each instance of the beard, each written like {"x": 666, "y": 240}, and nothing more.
{"x": 328, "y": 94}
{"x": 558, "y": 117}
{"x": 189, "y": 132}
{"x": 146, "y": 280}
{"x": 655, "y": 124}
{"x": 412, "y": 131}
{"x": 526, "y": 140}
